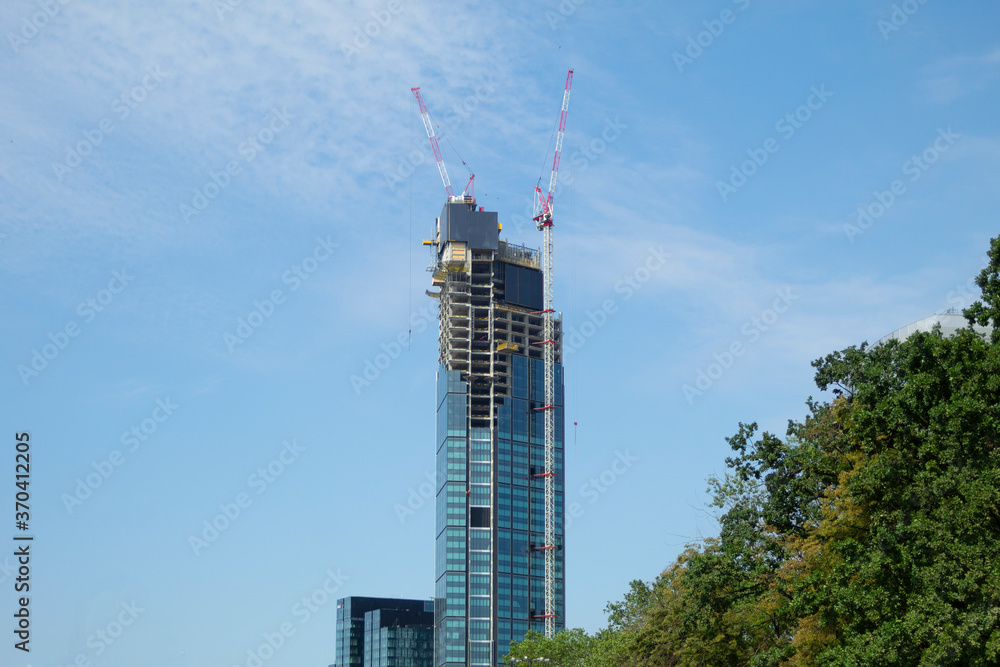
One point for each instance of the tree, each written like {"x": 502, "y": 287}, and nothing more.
{"x": 568, "y": 648}
{"x": 987, "y": 311}
{"x": 868, "y": 535}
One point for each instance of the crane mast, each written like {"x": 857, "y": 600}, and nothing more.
{"x": 543, "y": 220}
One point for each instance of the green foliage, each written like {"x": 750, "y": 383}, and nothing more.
{"x": 567, "y": 649}
{"x": 987, "y": 311}
{"x": 630, "y": 611}
{"x": 868, "y": 535}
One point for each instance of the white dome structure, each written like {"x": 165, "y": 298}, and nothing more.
{"x": 951, "y": 321}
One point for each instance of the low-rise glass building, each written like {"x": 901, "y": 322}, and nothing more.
{"x": 384, "y": 632}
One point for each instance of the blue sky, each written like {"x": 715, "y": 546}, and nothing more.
{"x": 169, "y": 170}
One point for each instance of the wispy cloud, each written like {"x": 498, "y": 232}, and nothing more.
{"x": 953, "y": 78}
{"x": 221, "y": 87}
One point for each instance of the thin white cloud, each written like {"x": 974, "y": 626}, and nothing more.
{"x": 952, "y": 78}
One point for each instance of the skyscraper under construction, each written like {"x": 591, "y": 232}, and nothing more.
{"x": 491, "y": 471}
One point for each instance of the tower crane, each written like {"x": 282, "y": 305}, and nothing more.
{"x": 543, "y": 221}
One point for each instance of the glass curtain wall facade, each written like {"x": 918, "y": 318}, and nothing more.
{"x": 384, "y": 632}
{"x": 399, "y": 638}
{"x": 490, "y": 528}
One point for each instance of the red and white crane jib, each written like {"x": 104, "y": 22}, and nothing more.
{"x": 434, "y": 143}
{"x": 544, "y": 203}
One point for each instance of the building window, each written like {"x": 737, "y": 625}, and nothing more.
{"x": 519, "y": 376}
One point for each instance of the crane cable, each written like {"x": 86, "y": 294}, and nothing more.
{"x": 409, "y": 248}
